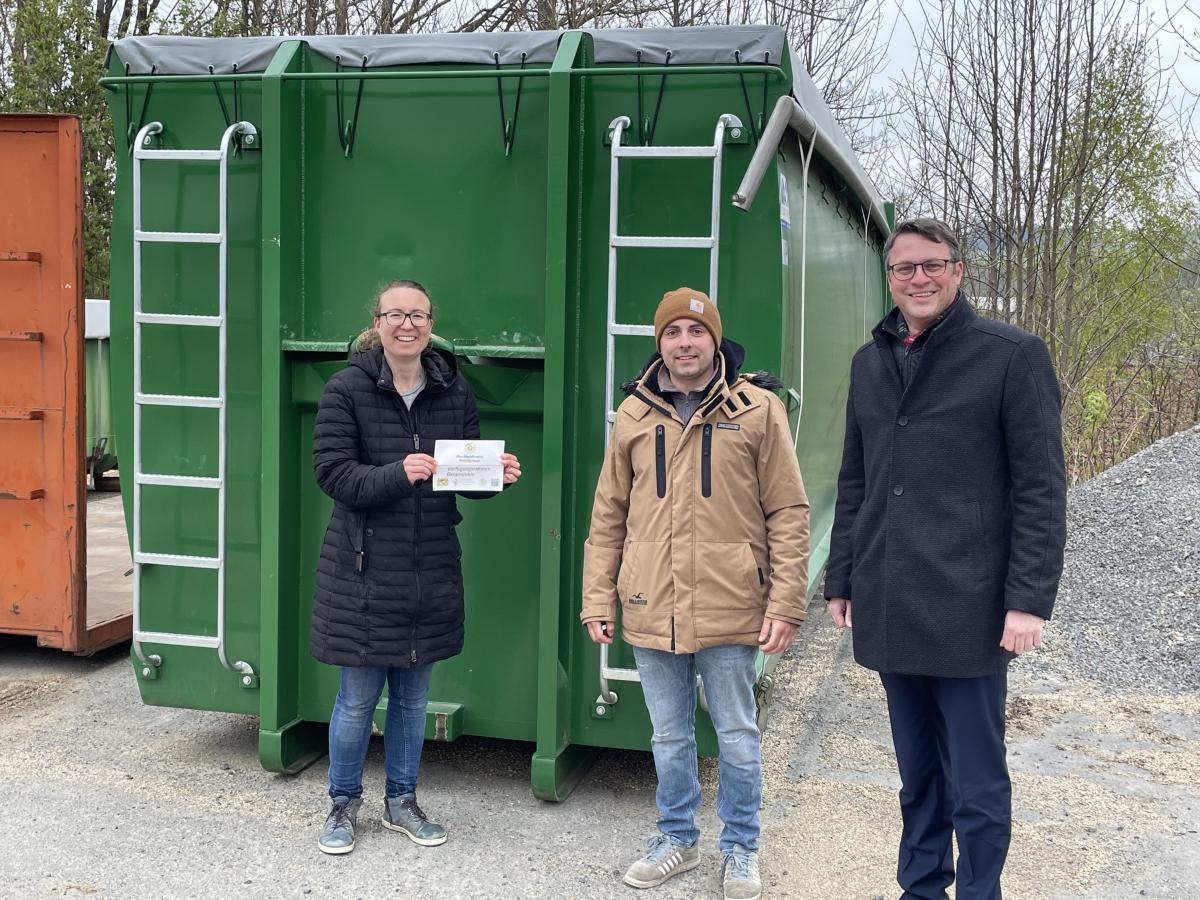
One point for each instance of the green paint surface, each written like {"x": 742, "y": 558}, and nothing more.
{"x": 514, "y": 252}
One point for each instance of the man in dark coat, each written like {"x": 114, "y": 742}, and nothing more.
{"x": 947, "y": 548}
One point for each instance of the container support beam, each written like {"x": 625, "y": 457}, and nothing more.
{"x": 143, "y": 153}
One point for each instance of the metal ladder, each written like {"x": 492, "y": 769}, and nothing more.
{"x": 143, "y": 153}
{"x": 710, "y": 242}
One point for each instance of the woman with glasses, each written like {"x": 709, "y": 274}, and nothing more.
{"x": 389, "y": 596}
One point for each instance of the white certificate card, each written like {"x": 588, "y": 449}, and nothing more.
{"x": 468, "y": 465}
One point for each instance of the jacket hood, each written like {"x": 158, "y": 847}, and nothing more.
{"x": 441, "y": 368}
{"x": 733, "y": 354}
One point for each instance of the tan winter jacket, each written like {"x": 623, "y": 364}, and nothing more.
{"x": 698, "y": 530}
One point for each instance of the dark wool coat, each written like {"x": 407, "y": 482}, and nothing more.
{"x": 952, "y": 497}
{"x": 389, "y": 582}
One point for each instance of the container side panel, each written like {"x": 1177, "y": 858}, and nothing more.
{"x": 493, "y": 679}
{"x": 833, "y": 285}
{"x": 42, "y": 577}
{"x": 427, "y": 194}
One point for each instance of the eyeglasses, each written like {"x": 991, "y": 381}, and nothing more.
{"x": 931, "y": 267}
{"x": 419, "y": 319}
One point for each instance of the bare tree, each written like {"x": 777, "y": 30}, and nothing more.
{"x": 1043, "y": 133}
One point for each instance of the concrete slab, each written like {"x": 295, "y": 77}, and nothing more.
{"x": 109, "y": 587}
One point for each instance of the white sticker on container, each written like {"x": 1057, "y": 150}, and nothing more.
{"x": 785, "y": 209}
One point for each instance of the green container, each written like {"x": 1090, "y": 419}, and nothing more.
{"x": 101, "y": 446}
{"x": 481, "y": 165}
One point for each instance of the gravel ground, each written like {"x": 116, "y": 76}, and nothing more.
{"x": 111, "y": 798}
{"x": 1128, "y": 611}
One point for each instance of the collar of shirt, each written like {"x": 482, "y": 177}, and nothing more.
{"x": 666, "y": 386}
{"x": 896, "y": 326}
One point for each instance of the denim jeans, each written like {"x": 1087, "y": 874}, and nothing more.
{"x": 669, "y": 685}
{"x": 403, "y": 732}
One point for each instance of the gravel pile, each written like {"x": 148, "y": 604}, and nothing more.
{"x": 1128, "y": 610}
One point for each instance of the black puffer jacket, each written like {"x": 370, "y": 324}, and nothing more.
{"x": 389, "y": 583}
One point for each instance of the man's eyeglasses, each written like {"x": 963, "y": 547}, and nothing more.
{"x": 931, "y": 267}
{"x": 396, "y": 317}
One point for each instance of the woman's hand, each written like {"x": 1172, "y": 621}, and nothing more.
{"x": 512, "y": 468}
{"x": 419, "y": 467}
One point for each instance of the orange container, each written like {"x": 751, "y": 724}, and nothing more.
{"x": 43, "y": 584}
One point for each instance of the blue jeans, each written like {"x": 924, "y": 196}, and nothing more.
{"x": 669, "y": 685}
{"x": 403, "y": 732}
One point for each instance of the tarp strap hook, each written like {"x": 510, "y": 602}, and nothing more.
{"x": 658, "y": 103}
{"x": 237, "y": 138}
{"x": 220, "y": 98}
{"x": 762, "y": 116}
{"x": 508, "y": 127}
{"x": 641, "y": 123}
{"x": 347, "y": 128}
{"x": 133, "y": 128}
{"x": 737, "y": 55}
{"x": 337, "y": 100}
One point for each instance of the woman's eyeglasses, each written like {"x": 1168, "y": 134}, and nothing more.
{"x": 419, "y": 319}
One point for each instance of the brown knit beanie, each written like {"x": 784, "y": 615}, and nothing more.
{"x": 684, "y": 303}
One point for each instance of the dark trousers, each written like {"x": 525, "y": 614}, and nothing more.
{"x": 949, "y": 740}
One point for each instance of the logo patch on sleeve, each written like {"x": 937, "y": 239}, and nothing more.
{"x": 729, "y": 426}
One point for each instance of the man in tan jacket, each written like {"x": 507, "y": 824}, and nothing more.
{"x": 700, "y": 531}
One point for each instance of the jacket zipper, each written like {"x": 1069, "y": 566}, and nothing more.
{"x": 660, "y": 459}
{"x": 706, "y": 462}
{"x": 416, "y": 540}
{"x": 360, "y": 548}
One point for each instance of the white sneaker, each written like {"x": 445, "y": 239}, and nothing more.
{"x": 663, "y": 860}
{"x": 740, "y": 874}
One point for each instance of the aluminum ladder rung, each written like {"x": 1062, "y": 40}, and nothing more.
{"x": 194, "y": 481}
{"x": 178, "y": 400}
{"x": 178, "y": 560}
{"x": 219, "y": 323}
{"x": 177, "y": 237}
{"x": 178, "y": 640}
{"x": 621, "y": 674}
{"x": 662, "y": 242}
{"x": 177, "y": 319}
{"x": 632, "y": 330}
{"x": 180, "y": 155}
{"x": 677, "y": 152}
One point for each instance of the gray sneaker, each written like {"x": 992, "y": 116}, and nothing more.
{"x": 402, "y": 814}
{"x": 337, "y": 834}
{"x": 663, "y": 860}
{"x": 740, "y": 874}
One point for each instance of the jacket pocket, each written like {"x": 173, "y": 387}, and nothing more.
{"x": 643, "y": 586}
{"x": 706, "y": 461}
{"x": 729, "y": 599}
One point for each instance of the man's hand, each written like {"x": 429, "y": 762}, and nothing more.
{"x": 1022, "y": 631}
{"x": 419, "y": 467}
{"x": 839, "y": 611}
{"x": 776, "y": 635}
{"x": 601, "y": 632}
